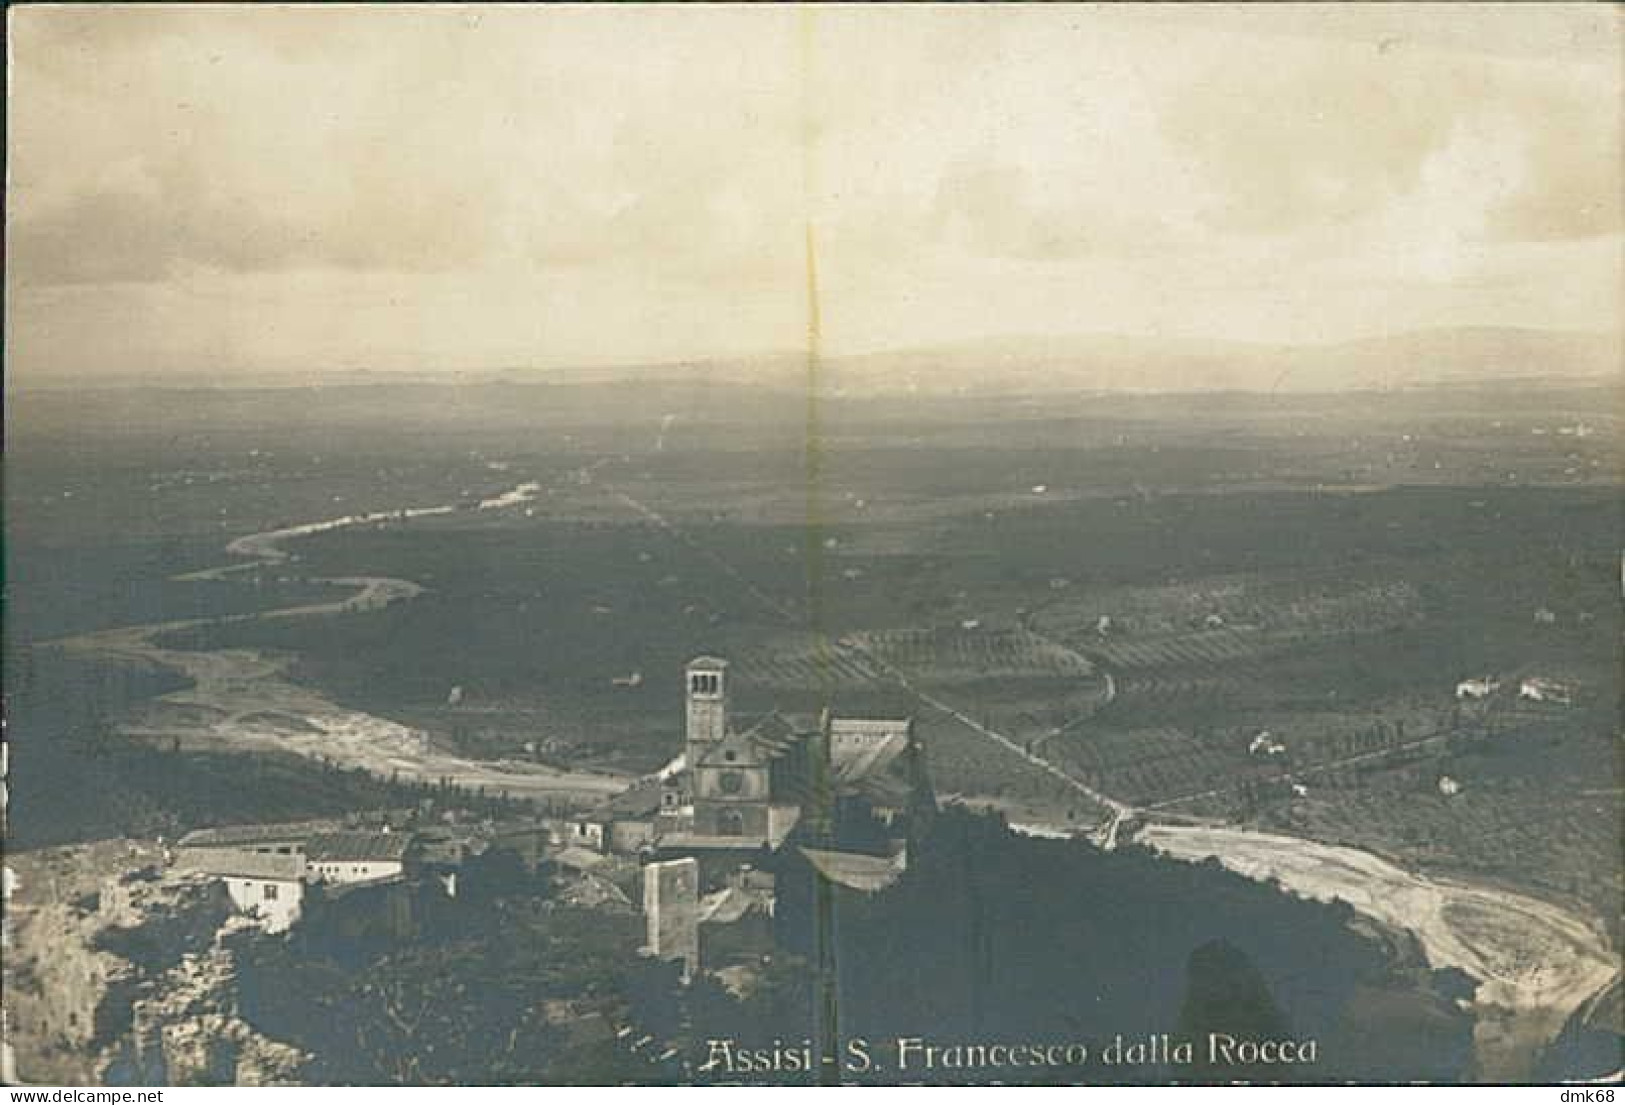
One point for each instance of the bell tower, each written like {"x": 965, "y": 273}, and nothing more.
{"x": 706, "y": 686}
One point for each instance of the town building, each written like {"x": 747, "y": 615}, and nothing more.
{"x": 745, "y": 784}
{"x": 267, "y": 886}
{"x": 834, "y": 798}
{"x": 625, "y": 823}
{"x": 346, "y": 857}
{"x": 278, "y": 838}
{"x": 268, "y": 869}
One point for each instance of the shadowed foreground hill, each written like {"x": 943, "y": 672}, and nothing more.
{"x": 991, "y": 937}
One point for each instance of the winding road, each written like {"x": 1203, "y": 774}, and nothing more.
{"x": 1536, "y": 963}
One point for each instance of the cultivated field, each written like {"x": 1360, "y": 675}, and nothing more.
{"x": 1089, "y": 605}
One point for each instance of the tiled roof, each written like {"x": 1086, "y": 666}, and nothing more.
{"x": 863, "y": 761}
{"x": 774, "y": 734}
{"x": 229, "y": 835}
{"x": 637, "y": 801}
{"x": 855, "y": 870}
{"x": 357, "y": 847}
{"x": 870, "y": 757}
{"x": 731, "y": 903}
{"x": 678, "y": 841}
{"x": 740, "y": 750}
{"x": 237, "y": 863}
{"x": 866, "y": 754}
{"x": 582, "y": 859}
{"x": 872, "y": 728}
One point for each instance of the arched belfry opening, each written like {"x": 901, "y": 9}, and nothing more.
{"x": 706, "y": 688}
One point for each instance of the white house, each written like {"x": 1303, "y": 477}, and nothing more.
{"x": 1266, "y": 744}
{"x": 587, "y": 831}
{"x": 265, "y": 885}
{"x": 1477, "y": 688}
{"x": 1536, "y": 689}
{"x": 345, "y": 857}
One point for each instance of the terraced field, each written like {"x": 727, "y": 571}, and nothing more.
{"x": 804, "y": 660}
{"x": 948, "y": 654}
{"x": 1210, "y": 648}
{"x": 1308, "y": 603}
{"x": 1147, "y": 765}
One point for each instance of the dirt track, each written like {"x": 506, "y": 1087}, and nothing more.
{"x": 1535, "y": 962}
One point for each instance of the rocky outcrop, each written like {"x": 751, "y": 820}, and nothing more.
{"x": 57, "y": 975}
{"x": 116, "y": 974}
{"x": 185, "y": 1030}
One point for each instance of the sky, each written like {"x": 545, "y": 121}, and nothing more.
{"x": 233, "y": 190}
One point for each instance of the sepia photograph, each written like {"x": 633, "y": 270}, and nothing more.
{"x": 998, "y": 544}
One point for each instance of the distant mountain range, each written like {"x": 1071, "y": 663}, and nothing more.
{"x": 1109, "y": 363}
{"x": 1034, "y": 365}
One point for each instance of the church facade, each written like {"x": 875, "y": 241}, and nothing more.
{"x": 753, "y": 805}
{"x": 751, "y": 783}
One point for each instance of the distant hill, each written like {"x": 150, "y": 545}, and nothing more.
{"x": 1111, "y": 362}
{"x": 1020, "y": 365}
{"x": 1425, "y": 358}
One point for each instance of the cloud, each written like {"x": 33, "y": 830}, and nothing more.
{"x": 150, "y": 153}
{"x": 432, "y": 184}
{"x": 1574, "y": 162}
{"x": 1342, "y": 131}
{"x": 1001, "y": 210}
{"x": 187, "y": 220}
{"x": 442, "y": 143}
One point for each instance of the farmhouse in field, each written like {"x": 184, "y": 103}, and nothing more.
{"x": 1539, "y": 689}
{"x": 1265, "y": 744}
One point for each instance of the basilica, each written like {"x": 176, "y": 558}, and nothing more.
{"x": 755, "y": 808}
{"x": 751, "y": 783}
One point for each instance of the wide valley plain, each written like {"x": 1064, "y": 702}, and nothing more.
{"x": 1364, "y": 645}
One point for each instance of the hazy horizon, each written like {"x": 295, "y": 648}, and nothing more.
{"x": 233, "y": 192}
